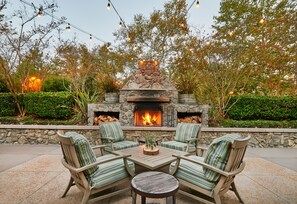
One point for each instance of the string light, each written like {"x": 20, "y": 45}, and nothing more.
{"x": 120, "y": 24}
{"x": 262, "y": 21}
{"x": 39, "y": 12}
{"x": 91, "y": 37}
{"x": 68, "y": 27}
{"x": 108, "y": 5}
{"x": 197, "y": 4}
{"x": 230, "y": 33}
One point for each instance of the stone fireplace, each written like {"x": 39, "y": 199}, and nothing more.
{"x": 148, "y": 99}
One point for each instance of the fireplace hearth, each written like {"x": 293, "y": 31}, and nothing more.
{"x": 149, "y": 99}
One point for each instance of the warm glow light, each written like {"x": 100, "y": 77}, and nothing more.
{"x": 207, "y": 43}
{"x": 68, "y": 27}
{"x": 33, "y": 85}
{"x": 108, "y": 6}
{"x": 262, "y": 21}
{"x": 197, "y": 4}
{"x": 149, "y": 119}
{"x": 231, "y": 33}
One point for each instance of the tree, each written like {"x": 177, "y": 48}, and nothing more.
{"x": 154, "y": 37}
{"x": 19, "y": 46}
{"x": 261, "y": 37}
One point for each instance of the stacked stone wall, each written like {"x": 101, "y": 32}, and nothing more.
{"x": 46, "y": 134}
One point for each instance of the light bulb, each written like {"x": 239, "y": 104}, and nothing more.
{"x": 108, "y": 6}
{"x": 120, "y": 24}
{"x": 91, "y": 37}
{"x": 68, "y": 27}
{"x": 262, "y": 21}
{"x": 197, "y": 4}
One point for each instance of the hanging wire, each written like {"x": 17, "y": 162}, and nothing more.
{"x": 60, "y": 19}
{"x": 121, "y": 20}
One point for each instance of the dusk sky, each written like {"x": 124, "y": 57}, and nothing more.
{"x": 93, "y": 17}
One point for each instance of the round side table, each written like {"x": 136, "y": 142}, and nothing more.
{"x": 154, "y": 184}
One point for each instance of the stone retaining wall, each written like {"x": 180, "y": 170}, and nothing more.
{"x": 46, "y": 134}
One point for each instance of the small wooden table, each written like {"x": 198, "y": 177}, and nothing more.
{"x": 143, "y": 162}
{"x": 154, "y": 184}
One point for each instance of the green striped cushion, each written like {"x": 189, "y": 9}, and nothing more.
{"x": 178, "y": 146}
{"x": 113, "y": 130}
{"x": 122, "y": 145}
{"x": 193, "y": 173}
{"x": 84, "y": 151}
{"x": 218, "y": 154}
{"x": 186, "y": 131}
{"x": 109, "y": 172}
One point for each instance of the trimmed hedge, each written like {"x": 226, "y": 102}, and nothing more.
{"x": 8, "y": 106}
{"x": 263, "y": 108}
{"x": 258, "y": 123}
{"x": 50, "y": 104}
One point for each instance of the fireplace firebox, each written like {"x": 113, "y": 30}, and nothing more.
{"x": 147, "y": 115}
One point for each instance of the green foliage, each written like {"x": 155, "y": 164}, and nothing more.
{"x": 150, "y": 140}
{"x": 258, "y": 123}
{"x": 81, "y": 109}
{"x": 263, "y": 107}
{"x": 3, "y": 87}
{"x": 55, "y": 84}
{"x": 8, "y": 105}
{"x": 36, "y": 121}
{"x": 49, "y": 104}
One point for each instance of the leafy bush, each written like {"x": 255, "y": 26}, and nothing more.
{"x": 8, "y": 106}
{"x": 55, "y": 84}
{"x": 3, "y": 87}
{"x": 258, "y": 123}
{"x": 263, "y": 107}
{"x": 50, "y": 105}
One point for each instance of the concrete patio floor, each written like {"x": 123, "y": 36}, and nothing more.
{"x": 34, "y": 174}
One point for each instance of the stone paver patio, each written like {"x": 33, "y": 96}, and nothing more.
{"x": 34, "y": 174}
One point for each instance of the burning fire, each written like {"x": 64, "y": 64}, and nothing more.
{"x": 149, "y": 119}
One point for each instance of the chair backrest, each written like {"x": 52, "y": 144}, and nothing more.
{"x": 111, "y": 130}
{"x": 234, "y": 162}
{"x": 77, "y": 152}
{"x": 218, "y": 154}
{"x": 186, "y": 131}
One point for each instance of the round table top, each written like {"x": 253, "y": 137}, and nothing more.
{"x": 154, "y": 184}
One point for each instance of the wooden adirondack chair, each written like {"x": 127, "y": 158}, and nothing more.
{"x": 90, "y": 174}
{"x": 213, "y": 175}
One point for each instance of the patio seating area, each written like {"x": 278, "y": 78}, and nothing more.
{"x": 34, "y": 174}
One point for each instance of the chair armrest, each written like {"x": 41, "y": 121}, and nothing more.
{"x": 98, "y": 146}
{"x": 101, "y": 147}
{"x": 190, "y": 140}
{"x": 200, "y": 151}
{"x": 164, "y": 136}
{"x": 135, "y": 137}
{"x": 107, "y": 138}
{"x": 78, "y": 170}
{"x": 224, "y": 173}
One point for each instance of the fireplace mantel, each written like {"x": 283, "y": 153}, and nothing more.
{"x": 149, "y": 99}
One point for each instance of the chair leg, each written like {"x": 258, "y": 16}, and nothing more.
{"x": 236, "y": 192}
{"x": 134, "y": 197}
{"x": 70, "y": 183}
{"x": 87, "y": 194}
{"x": 217, "y": 199}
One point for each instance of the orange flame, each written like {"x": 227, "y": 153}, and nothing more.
{"x": 149, "y": 119}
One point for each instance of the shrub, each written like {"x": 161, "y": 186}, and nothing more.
{"x": 263, "y": 108}
{"x": 258, "y": 123}
{"x": 50, "y": 105}
{"x": 8, "y": 105}
{"x": 3, "y": 87}
{"x": 55, "y": 84}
